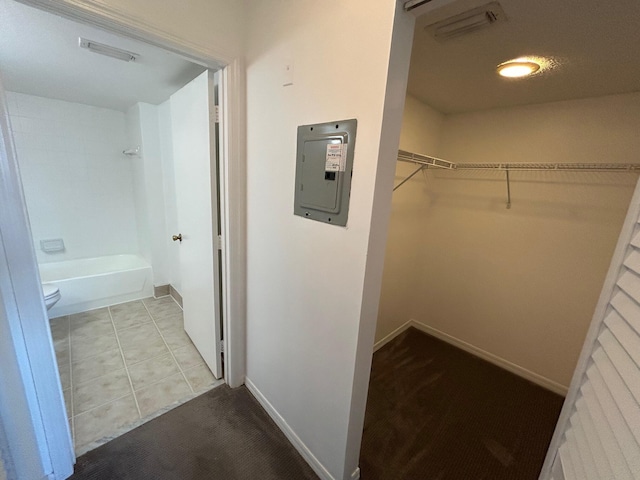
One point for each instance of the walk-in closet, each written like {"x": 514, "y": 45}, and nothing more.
{"x": 509, "y": 197}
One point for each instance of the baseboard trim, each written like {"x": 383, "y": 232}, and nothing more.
{"x": 478, "y": 352}
{"x": 490, "y": 357}
{"x": 175, "y": 295}
{"x": 299, "y": 445}
{"x": 160, "y": 290}
{"x": 383, "y": 341}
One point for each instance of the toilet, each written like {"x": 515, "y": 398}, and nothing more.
{"x": 51, "y": 294}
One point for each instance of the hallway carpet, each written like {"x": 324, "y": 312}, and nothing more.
{"x": 435, "y": 412}
{"x": 223, "y": 434}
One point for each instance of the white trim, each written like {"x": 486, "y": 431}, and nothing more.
{"x": 594, "y": 330}
{"x": 99, "y": 14}
{"x": 383, "y": 341}
{"x": 233, "y": 210}
{"x": 31, "y": 402}
{"x": 299, "y": 445}
{"x": 478, "y": 352}
{"x": 356, "y": 474}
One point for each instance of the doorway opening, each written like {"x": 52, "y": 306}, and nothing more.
{"x": 107, "y": 150}
{"x": 505, "y": 263}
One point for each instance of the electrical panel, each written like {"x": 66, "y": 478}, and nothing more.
{"x": 324, "y": 165}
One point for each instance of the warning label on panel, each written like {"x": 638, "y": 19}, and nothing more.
{"x": 336, "y": 160}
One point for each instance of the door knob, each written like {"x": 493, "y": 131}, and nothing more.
{"x": 177, "y": 237}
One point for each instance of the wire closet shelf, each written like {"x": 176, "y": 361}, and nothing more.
{"x": 427, "y": 161}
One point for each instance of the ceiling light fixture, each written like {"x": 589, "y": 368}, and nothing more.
{"x": 520, "y": 67}
{"x": 107, "y": 50}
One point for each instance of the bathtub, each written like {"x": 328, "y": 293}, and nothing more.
{"x": 91, "y": 283}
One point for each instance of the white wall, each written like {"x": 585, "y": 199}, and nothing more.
{"x": 306, "y": 279}
{"x": 169, "y": 188}
{"x": 522, "y": 283}
{"x": 134, "y": 138}
{"x": 403, "y": 268}
{"x": 215, "y": 25}
{"x": 143, "y": 129}
{"x": 77, "y": 183}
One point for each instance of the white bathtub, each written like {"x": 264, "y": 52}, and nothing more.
{"x": 97, "y": 282}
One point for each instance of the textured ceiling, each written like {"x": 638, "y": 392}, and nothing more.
{"x": 595, "y": 45}
{"x": 39, "y": 55}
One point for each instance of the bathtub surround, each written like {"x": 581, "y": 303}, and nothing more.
{"x": 148, "y": 178}
{"x": 123, "y": 365}
{"x": 78, "y": 185}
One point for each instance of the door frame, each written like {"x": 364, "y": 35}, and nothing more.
{"x": 232, "y": 181}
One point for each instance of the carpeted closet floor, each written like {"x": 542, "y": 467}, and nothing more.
{"x": 435, "y": 412}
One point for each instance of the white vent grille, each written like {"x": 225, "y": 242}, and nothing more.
{"x": 467, "y": 22}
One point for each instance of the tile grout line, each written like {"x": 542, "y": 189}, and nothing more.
{"x": 105, "y": 403}
{"x": 169, "y": 348}
{"x": 124, "y": 361}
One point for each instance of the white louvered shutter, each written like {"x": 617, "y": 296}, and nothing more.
{"x": 598, "y": 433}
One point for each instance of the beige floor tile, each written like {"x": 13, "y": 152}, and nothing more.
{"x": 65, "y": 375}
{"x": 60, "y": 328}
{"x": 155, "y": 397}
{"x": 98, "y": 314}
{"x": 100, "y": 390}
{"x": 187, "y": 356}
{"x": 104, "y": 421}
{"x": 138, "y": 335}
{"x": 67, "y": 401}
{"x": 170, "y": 322}
{"x": 200, "y": 378}
{"x": 135, "y": 353}
{"x": 128, "y": 307}
{"x": 91, "y": 328}
{"x": 128, "y": 320}
{"x": 96, "y": 366}
{"x": 176, "y": 338}
{"x": 63, "y": 353}
{"x": 84, "y": 347}
{"x": 162, "y": 307}
{"x": 150, "y": 371}
{"x": 62, "y": 346}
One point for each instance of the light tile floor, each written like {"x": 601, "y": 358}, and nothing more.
{"x": 123, "y": 365}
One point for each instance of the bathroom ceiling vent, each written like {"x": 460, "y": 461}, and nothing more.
{"x": 107, "y": 50}
{"x": 467, "y": 22}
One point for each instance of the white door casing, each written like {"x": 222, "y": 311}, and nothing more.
{"x": 32, "y": 410}
{"x": 192, "y": 123}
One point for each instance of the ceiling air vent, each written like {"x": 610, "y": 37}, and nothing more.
{"x": 467, "y": 22}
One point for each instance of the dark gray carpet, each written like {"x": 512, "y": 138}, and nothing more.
{"x": 435, "y": 412}
{"x": 222, "y": 434}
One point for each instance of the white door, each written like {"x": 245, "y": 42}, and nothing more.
{"x": 194, "y": 156}
{"x": 598, "y": 433}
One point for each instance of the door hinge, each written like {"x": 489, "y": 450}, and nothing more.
{"x": 221, "y": 346}
{"x": 219, "y": 242}
{"x": 216, "y": 113}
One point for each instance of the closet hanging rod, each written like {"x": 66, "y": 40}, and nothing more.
{"x": 421, "y": 159}
{"x": 551, "y": 167}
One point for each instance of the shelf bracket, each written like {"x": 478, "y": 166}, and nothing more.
{"x": 419, "y": 169}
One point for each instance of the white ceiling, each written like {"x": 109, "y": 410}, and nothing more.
{"x": 39, "y": 55}
{"x": 595, "y": 43}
